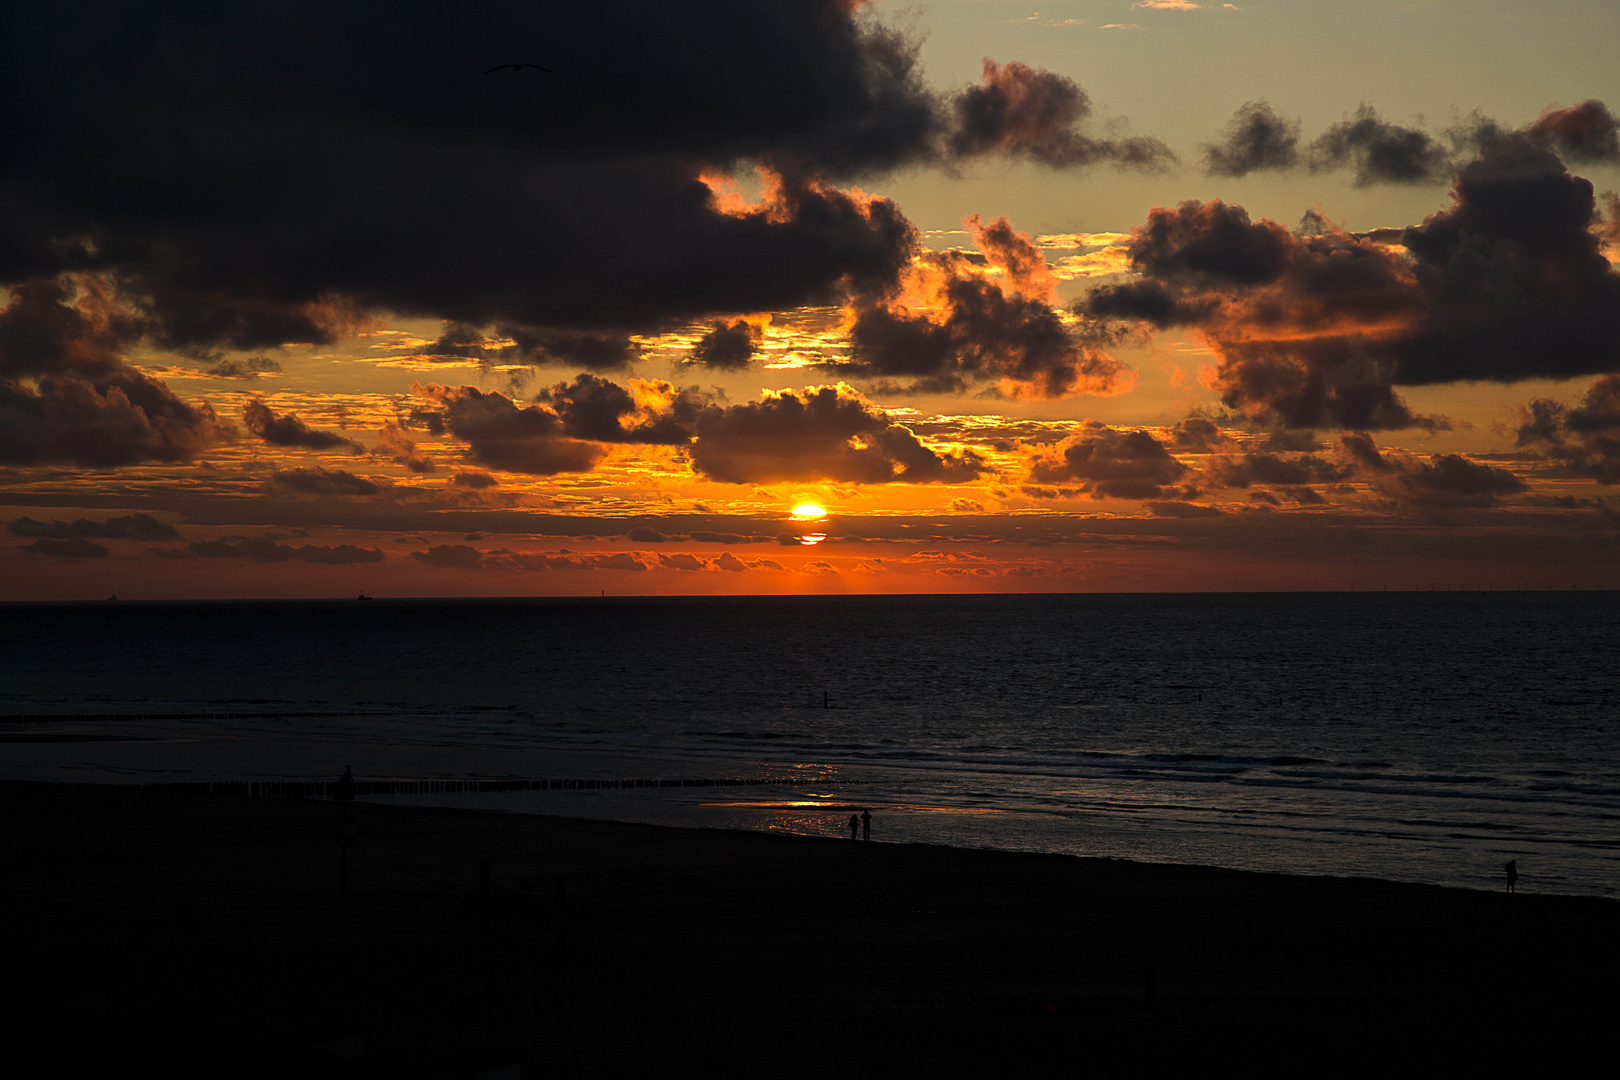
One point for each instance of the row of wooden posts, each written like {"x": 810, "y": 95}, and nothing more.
{"x": 325, "y": 789}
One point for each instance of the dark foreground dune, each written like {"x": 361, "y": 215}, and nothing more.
{"x": 207, "y": 936}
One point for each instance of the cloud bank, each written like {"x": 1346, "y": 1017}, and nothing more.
{"x": 1317, "y": 327}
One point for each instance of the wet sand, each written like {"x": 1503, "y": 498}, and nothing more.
{"x": 208, "y": 935}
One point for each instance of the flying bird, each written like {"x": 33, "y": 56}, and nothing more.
{"x": 517, "y": 67}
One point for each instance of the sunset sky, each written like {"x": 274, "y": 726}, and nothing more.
{"x": 303, "y": 300}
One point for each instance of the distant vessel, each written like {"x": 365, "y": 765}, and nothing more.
{"x": 114, "y": 596}
{"x": 362, "y": 596}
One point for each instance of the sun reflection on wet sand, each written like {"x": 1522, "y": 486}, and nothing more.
{"x": 799, "y": 804}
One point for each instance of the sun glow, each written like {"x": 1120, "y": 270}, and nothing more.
{"x": 808, "y": 512}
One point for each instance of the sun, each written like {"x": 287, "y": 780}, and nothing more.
{"x": 808, "y": 512}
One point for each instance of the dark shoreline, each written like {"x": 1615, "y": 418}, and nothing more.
{"x": 192, "y": 928}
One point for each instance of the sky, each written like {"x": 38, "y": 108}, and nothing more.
{"x": 414, "y": 299}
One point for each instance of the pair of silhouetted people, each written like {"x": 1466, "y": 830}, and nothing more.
{"x": 1512, "y": 874}
{"x": 860, "y": 822}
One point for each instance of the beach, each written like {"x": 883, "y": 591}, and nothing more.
{"x": 210, "y": 934}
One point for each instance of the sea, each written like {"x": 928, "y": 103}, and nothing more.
{"x": 1422, "y": 737}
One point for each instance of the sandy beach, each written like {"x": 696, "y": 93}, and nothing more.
{"x": 209, "y": 935}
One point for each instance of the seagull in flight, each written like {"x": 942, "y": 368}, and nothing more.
{"x": 517, "y": 67}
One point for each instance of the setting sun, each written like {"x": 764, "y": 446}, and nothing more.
{"x": 807, "y": 511}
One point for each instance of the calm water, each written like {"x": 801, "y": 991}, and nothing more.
{"x": 1423, "y": 737}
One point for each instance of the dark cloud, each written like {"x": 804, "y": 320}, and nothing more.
{"x": 1283, "y": 311}
{"x": 1317, "y": 327}
{"x": 1210, "y": 244}
{"x": 320, "y": 481}
{"x": 250, "y": 367}
{"x": 455, "y": 556}
{"x": 70, "y": 549}
{"x": 1256, "y": 138}
{"x": 1359, "y": 447}
{"x": 827, "y": 433}
{"x": 727, "y": 346}
{"x": 1145, "y": 301}
{"x": 1450, "y": 480}
{"x": 569, "y": 426}
{"x": 268, "y": 551}
{"x": 1587, "y": 132}
{"x": 985, "y": 335}
{"x": 511, "y": 344}
{"x": 476, "y": 481}
{"x": 501, "y": 435}
{"x": 954, "y": 325}
{"x": 127, "y": 527}
{"x": 1197, "y": 435}
{"x": 703, "y": 536}
{"x": 1109, "y": 463}
{"x": 66, "y": 393}
{"x": 65, "y": 328}
{"x": 289, "y": 431}
{"x": 1246, "y": 470}
{"x": 1585, "y": 438}
{"x": 394, "y": 444}
{"x": 598, "y": 351}
{"x": 1380, "y": 152}
{"x": 1333, "y": 382}
{"x": 596, "y": 409}
{"x": 643, "y": 535}
{"x": 1515, "y": 284}
{"x": 821, "y": 433}
{"x": 235, "y": 193}
{"x": 1026, "y": 112}
{"x": 1181, "y": 510}
{"x": 234, "y": 199}
{"x": 431, "y": 419}
{"x": 1445, "y": 481}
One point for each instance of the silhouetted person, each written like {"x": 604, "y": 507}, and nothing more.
{"x": 345, "y": 786}
{"x": 866, "y": 824}
{"x": 1512, "y": 874}
{"x": 854, "y": 827}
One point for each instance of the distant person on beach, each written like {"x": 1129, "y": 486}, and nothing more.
{"x": 866, "y": 824}
{"x": 854, "y": 827}
{"x": 345, "y": 786}
{"x": 1512, "y": 873}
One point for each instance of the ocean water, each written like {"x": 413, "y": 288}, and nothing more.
{"x": 1421, "y": 737}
